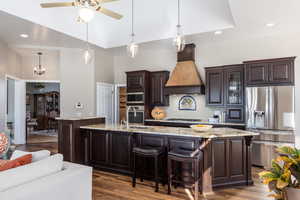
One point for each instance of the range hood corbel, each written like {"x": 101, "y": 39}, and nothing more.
{"x": 185, "y": 78}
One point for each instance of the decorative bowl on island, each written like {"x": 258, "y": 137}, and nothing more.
{"x": 201, "y": 127}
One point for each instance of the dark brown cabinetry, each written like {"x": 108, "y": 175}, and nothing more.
{"x": 71, "y": 143}
{"x": 157, "y": 84}
{"x": 231, "y": 155}
{"x": 214, "y": 87}
{"x": 137, "y": 81}
{"x": 227, "y": 161}
{"x": 110, "y": 150}
{"x": 225, "y": 88}
{"x": 278, "y": 71}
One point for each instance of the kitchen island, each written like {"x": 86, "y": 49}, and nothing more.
{"x": 226, "y": 156}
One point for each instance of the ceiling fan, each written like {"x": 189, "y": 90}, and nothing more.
{"x": 87, "y": 8}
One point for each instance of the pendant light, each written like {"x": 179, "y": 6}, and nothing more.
{"x": 39, "y": 70}
{"x": 179, "y": 40}
{"x": 132, "y": 47}
{"x": 87, "y": 53}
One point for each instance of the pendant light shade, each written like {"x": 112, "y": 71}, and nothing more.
{"x": 132, "y": 47}
{"x": 87, "y": 55}
{"x": 39, "y": 70}
{"x": 179, "y": 40}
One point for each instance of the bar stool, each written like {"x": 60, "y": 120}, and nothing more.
{"x": 185, "y": 156}
{"x": 147, "y": 151}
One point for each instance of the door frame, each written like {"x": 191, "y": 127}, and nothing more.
{"x": 20, "y": 109}
{"x": 116, "y": 104}
{"x": 98, "y": 84}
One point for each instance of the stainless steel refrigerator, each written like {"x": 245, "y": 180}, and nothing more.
{"x": 270, "y": 111}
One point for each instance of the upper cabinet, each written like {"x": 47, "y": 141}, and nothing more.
{"x": 137, "y": 81}
{"x": 225, "y": 85}
{"x": 270, "y": 72}
{"x": 214, "y": 86}
{"x": 158, "y": 81}
{"x": 234, "y": 85}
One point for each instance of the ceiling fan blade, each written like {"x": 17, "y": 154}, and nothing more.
{"x": 106, "y": 1}
{"x": 60, "y": 4}
{"x": 109, "y": 13}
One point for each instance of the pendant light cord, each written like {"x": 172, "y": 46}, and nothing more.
{"x": 178, "y": 13}
{"x": 132, "y": 18}
{"x": 87, "y": 34}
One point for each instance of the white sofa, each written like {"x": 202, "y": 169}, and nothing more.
{"x": 67, "y": 181}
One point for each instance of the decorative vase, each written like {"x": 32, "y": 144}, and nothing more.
{"x": 158, "y": 113}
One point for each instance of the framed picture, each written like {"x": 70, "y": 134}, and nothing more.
{"x": 187, "y": 103}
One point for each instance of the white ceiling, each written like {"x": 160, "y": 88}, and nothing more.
{"x": 155, "y": 19}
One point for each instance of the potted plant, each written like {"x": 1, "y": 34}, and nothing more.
{"x": 284, "y": 176}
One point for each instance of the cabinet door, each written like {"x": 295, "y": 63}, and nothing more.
{"x": 120, "y": 150}
{"x": 234, "y": 85}
{"x": 158, "y": 81}
{"x": 281, "y": 72}
{"x": 235, "y": 114}
{"x": 214, "y": 87}
{"x": 99, "y": 148}
{"x": 257, "y": 74}
{"x": 135, "y": 82}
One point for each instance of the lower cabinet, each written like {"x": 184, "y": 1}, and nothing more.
{"x": 231, "y": 155}
{"x": 227, "y": 158}
{"x": 110, "y": 151}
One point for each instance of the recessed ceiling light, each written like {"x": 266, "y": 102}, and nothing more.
{"x": 270, "y": 24}
{"x": 218, "y": 32}
{"x": 24, "y": 36}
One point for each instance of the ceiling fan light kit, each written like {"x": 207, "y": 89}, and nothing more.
{"x": 86, "y": 14}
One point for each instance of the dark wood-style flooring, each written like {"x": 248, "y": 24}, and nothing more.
{"x": 108, "y": 186}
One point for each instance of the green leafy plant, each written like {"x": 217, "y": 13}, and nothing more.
{"x": 284, "y": 173}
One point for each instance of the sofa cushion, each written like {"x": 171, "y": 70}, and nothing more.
{"x": 36, "y": 156}
{"x": 30, "y": 172}
{"x": 9, "y": 164}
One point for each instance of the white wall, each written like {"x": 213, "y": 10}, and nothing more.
{"x": 77, "y": 83}
{"x": 214, "y": 52}
{"x": 10, "y": 65}
{"x": 104, "y": 67}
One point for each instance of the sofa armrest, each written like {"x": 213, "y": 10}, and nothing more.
{"x": 74, "y": 183}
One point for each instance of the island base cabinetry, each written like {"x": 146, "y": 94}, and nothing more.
{"x": 226, "y": 161}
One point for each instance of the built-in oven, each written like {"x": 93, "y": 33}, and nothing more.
{"x": 135, "y": 98}
{"x": 136, "y": 114}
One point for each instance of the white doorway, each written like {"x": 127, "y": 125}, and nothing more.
{"x": 15, "y": 109}
{"x": 105, "y": 101}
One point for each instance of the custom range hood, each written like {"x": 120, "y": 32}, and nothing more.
{"x": 185, "y": 78}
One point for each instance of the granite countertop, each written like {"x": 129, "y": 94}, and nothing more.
{"x": 195, "y": 122}
{"x": 172, "y": 131}
{"x": 74, "y": 118}
{"x": 273, "y": 132}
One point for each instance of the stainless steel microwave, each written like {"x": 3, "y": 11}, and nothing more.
{"x": 136, "y": 98}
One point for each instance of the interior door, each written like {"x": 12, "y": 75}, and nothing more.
{"x": 105, "y": 101}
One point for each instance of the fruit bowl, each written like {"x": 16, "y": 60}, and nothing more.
{"x": 201, "y": 127}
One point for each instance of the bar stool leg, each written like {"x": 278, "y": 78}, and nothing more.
{"x": 169, "y": 175}
{"x": 196, "y": 179}
{"x": 156, "y": 173}
{"x": 134, "y": 170}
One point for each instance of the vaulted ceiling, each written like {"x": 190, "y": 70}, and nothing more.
{"x": 155, "y": 20}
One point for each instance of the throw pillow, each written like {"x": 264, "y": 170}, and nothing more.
{"x": 36, "y": 156}
{"x": 9, "y": 164}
